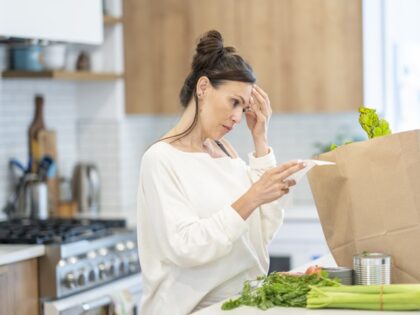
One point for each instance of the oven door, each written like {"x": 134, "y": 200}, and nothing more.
{"x": 103, "y": 300}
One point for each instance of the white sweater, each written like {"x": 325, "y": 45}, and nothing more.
{"x": 195, "y": 249}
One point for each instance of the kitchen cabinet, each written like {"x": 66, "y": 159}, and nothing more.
{"x": 104, "y": 69}
{"x": 306, "y": 54}
{"x": 77, "y": 21}
{"x": 19, "y": 288}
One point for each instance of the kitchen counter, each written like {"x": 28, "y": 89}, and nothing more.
{"x": 245, "y": 310}
{"x": 325, "y": 261}
{"x": 13, "y": 253}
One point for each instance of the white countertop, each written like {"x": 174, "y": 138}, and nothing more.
{"x": 325, "y": 261}
{"x": 13, "y": 253}
{"x": 246, "y": 310}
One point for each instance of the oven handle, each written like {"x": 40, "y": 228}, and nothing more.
{"x": 106, "y": 300}
{"x": 96, "y": 303}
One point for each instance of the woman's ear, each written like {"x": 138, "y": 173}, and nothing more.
{"x": 202, "y": 85}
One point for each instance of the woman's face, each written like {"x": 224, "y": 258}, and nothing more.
{"x": 222, "y": 107}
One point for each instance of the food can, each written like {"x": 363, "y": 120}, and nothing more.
{"x": 372, "y": 268}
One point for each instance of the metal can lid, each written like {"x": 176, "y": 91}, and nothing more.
{"x": 371, "y": 259}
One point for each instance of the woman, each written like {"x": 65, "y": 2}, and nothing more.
{"x": 205, "y": 218}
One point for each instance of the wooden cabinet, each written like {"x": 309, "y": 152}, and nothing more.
{"x": 19, "y": 288}
{"x": 306, "y": 54}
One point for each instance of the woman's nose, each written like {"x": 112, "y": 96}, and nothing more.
{"x": 237, "y": 115}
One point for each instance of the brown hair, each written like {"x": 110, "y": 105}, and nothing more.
{"x": 218, "y": 64}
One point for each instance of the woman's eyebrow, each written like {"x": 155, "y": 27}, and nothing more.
{"x": 242, "y": 99}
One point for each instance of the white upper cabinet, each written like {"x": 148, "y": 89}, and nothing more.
{"x": 77, "y": 21}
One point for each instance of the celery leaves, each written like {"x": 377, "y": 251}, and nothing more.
{"x": 279, "y": 289}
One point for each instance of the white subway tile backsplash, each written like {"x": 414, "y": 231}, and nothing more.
{"x": 93, "y": 130}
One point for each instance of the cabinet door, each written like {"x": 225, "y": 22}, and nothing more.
{"x": 77, "y": 21}
{"x": 19, "y": 288}
{"x": 306, "y": 54}
{"x": 155, "y": 54}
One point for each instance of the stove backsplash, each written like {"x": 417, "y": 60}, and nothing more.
{"x": 117, "y": 145}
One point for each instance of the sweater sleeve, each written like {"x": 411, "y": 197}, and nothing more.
{"x": 183, "y": 237}
{"x": 272, "y": 214}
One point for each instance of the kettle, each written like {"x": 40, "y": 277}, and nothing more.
{"x": 86, "y": 188}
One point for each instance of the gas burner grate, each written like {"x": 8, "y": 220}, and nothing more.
{"x": 55, "y": 231}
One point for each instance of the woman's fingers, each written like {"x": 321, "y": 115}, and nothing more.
{"x": 290, "y": 171}
{"x": 266, "y": 99}
{"x": 283, "y": 167}
{"x": 256, "y": 108}
{"x": 262, "y": 92}
{"x": 260, "y": 102}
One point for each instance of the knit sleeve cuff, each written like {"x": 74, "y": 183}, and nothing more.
{"x": 263, "y": 162}
{"x": 233, "y": 224}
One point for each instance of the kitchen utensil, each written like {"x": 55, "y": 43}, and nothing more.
{"x": 17, "y": 172}
{"x": 32, "y": 198}
{"x": 86, "y": 188}
{"x": 46, "y": 168}
{"x": 48, "y": 147}
{"x": 372, "y": 268}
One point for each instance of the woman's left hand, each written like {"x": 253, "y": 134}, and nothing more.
{"x": 257, "y": 118}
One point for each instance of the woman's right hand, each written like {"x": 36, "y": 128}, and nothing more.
{"x": 272, "y": 185}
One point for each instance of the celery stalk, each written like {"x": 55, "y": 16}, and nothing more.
{"x": 393, "y": 288}
{"x": 394, "y": 297}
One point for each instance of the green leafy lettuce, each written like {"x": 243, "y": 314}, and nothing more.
{"x": 372, "y": 124}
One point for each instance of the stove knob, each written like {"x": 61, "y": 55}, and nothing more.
{"x": 102, "y": 271}
{"x": 111, "y": 270}
{"x": 122, "y": 268}
{"x": 133, "y": 263}
{"x": 81, "y": 280}
{"x": 70, "y": 280}
{"x": 92, "y": 276}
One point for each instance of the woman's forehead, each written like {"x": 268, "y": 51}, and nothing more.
{"x": 242, "y": 89}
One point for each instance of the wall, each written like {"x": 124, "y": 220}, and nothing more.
{"x": 16, "y": 113}
{"x": 93, "y": 131}
{"x": 90, "y": 131}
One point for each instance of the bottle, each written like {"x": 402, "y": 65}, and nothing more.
{"x": 36, "y": 126}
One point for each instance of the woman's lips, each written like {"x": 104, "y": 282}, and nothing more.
{"x": 227, "y": 128}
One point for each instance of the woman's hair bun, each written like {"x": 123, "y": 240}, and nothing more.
{"x": 210, "y": 43}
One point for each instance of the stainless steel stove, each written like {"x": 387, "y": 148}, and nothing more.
{"x": 81, "y": 254}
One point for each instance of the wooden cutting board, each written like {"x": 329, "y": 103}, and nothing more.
{"x": 48, "y": 146}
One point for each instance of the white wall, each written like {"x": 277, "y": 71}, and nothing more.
{"x": 16, "y": 113}
{"x": 89, "y": 133}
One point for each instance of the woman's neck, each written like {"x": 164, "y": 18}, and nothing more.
{"x": 196, "y": 139}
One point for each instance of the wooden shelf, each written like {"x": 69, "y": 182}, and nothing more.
{"x": 62, "y": 75}
{"x": 112, "y": 20}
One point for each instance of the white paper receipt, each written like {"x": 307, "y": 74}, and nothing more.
{"x": 286, "y": 200}
{"x": 309, "y": 164}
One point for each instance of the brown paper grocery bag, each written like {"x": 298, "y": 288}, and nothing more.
{"x": 370, "y": 201}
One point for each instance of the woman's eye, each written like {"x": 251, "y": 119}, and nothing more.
{"x": 235, "y": 103}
